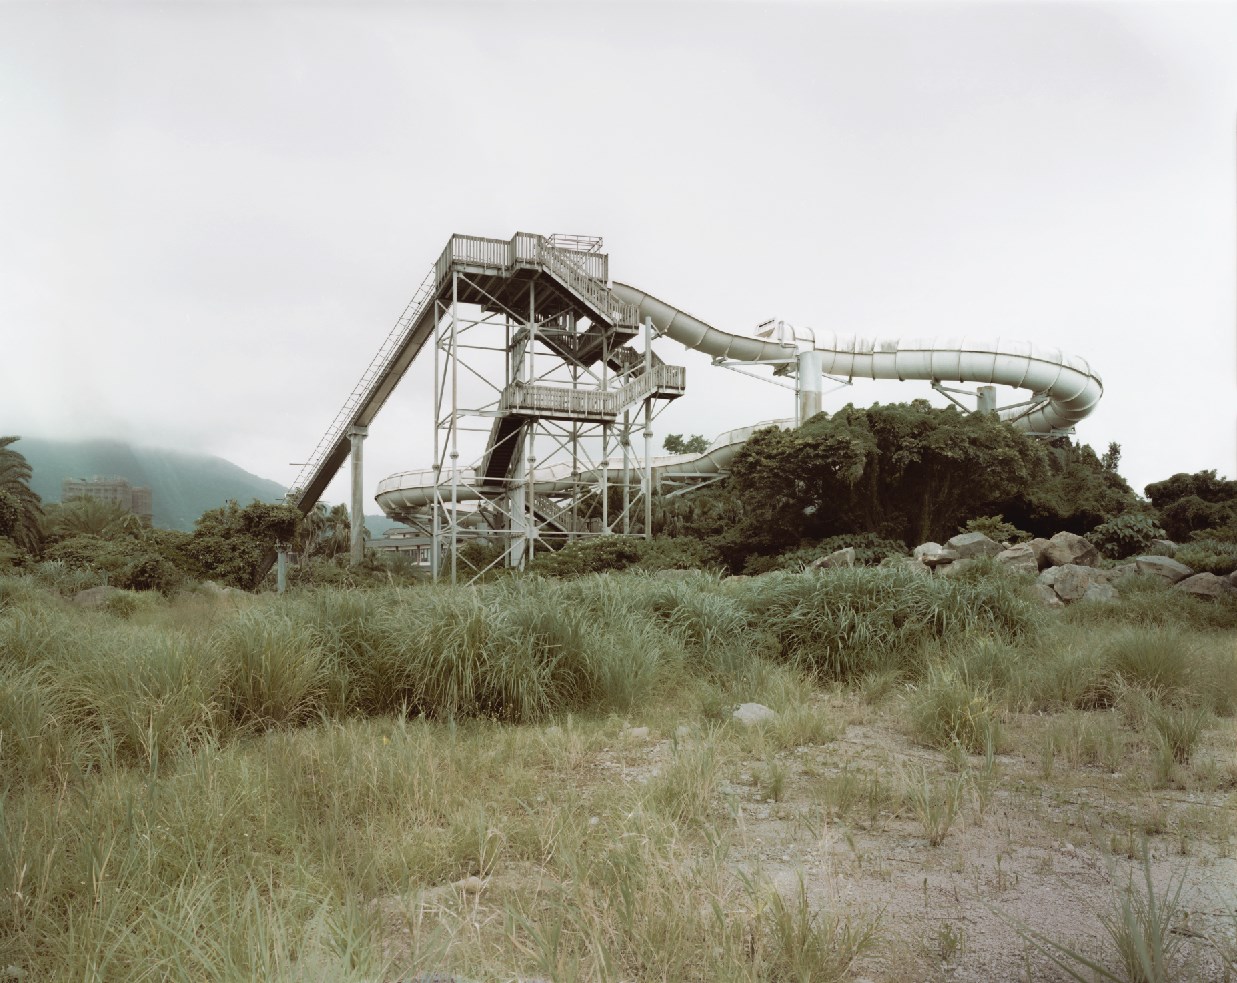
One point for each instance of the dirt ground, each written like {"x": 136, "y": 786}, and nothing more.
{"x": 1047, "y": 853}
{"x": 1033, "y": 846}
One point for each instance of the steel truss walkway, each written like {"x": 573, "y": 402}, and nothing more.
{"x": 570, "y": 384}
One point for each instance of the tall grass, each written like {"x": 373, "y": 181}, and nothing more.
{"x": 845, "y": 624}
{"x": 226, "y": 789}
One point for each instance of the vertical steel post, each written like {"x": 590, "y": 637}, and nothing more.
{"x": 436, "y": 531}
{"x": 811, "y": 384}
{"x": 455, "y": 445}
{"x": 530, "y": 521}
{"x": 985, "y": 399}
{"x": 626, "y": 442}
{"x": 648, "y": 433}
{"x": 357, "y": 435}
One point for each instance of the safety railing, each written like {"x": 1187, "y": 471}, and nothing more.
{"x": 593, "y": 404}
{"x": 556, "y": 513}
{"x": 592, "y": 290}
{"x": 363, "y": 392}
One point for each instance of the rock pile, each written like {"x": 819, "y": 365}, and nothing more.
{"x": 1066, "y": 567}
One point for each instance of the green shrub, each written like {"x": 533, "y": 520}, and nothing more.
{"x": 274, "y": 669}
{"x": 997, "y": 529}
{"x": 1154, "y": 660}
{"x": 947, "y": 711}
{"x": 846, "y": 624}
{"x": 870, "y": 549}
{"x": 607, "y": 554}
{"x": 127, "y": 563}
{"x": 1208, "y": 555}
{"x": 1125, "y": 535}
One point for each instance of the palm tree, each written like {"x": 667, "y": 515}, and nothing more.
{"x": 91, "y": 517}
{"x": 312, "y": 528}
{"x": 339, "y": 526}
{"x": 20, "y": 507}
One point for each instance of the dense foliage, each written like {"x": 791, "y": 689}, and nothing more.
{"x": 675, "y": 443}
{"x": 20, "y": 508}
{"x": 1195, "y": 503}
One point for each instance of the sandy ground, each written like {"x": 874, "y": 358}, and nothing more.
{"x": 1048, "y": 852}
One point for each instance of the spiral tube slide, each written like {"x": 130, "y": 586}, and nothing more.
{"x": 1064, "y": 389}
{"x": 415, "y": 489}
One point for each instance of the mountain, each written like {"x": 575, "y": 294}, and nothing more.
{"x": 182, "y": 485}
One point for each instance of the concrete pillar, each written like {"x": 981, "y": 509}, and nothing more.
{"x": 985, "y": 399}
{"x": 810, "y": 385}
{"x": 357, "y": 436}
{"x": 281, "y": 567}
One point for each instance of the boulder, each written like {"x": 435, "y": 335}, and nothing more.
{"x": 924, "y": 549}
{"x": 1039, "y": 546}
{"x": 1099, "y": 591}
{"x": 945, "y": 555}
{"x": 1048, "y": 597}
{"x": 1068, "y": 548}
{"x": 1162, "y": 566}
{"x": 94, "y": 597}
{"x": 1205, "y": 585}
{"x": 1163, "y": 547}
{"x": 750, "y": 714}
{"x": 1020, "y": 559}
{"x": 969, "y": 545}
{"x": 955, "y": 568}
{"x": 906, "y": 563}
{"x": 1071, "y": 581}
{"x": 838, "y": 558}
{"x": 1232, "y": 579}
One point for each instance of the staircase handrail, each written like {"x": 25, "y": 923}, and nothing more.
{"x": 363, "y": 391}
{"x": 592, "y": 290}
{"x": 524, "y": 397}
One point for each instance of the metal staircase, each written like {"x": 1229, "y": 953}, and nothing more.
{"x": 366, "y": 398}
{"x": 500, "y": 453}
{"x": 593, "y": 405}
{"x": 594, "y": 293}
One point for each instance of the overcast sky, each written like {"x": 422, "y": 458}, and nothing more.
{"x": 212, "y": 213}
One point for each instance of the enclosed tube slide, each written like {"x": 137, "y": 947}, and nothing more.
{"x": 415, "y": 489}
{"x": 1064, "y": 389}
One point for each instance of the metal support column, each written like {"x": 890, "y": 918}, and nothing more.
{"x": 357, "y": 435}
{"x": 985, "y": 399}
{"x": 811, "y": 382}
{"x": 455, "y": 422}
{"x": 648, "y": 433}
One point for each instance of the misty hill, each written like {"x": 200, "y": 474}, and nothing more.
{"x": 182, "y": 485}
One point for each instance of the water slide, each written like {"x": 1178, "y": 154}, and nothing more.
{"x": 1062, "y": 389}
{"x": 414, "y": 489}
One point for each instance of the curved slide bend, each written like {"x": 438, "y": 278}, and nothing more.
{"x": 415, "y": 489}
{"x": 1064, "y": 388}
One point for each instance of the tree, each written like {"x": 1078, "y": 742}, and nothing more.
{"x": 128, "y": 562}
{"x": 313, "y": 525}
{"x": 1112, "y": 457}
{"x": 90, "y": 517}
{"x": 339, "y": 530}
{"x": 695, "y": 444}
{"x": 1076, "y": 494}
{"x": 20, "y": 507}
{"x": 909, "y": 472}
{"x": 229, "y": 542}
{"x": 1192, "y": 503}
